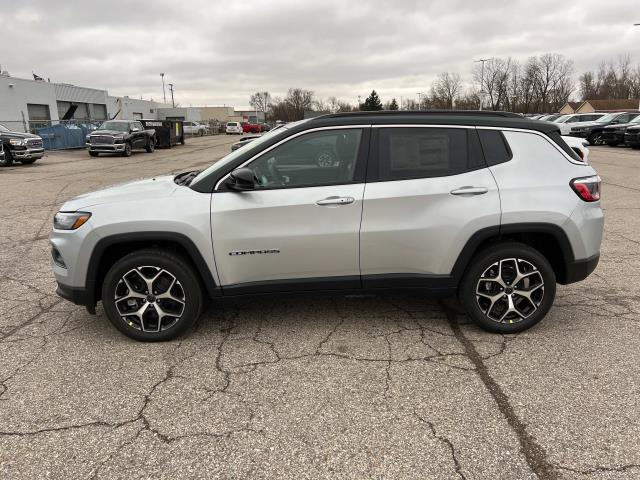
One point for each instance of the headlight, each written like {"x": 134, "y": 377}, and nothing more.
{"x": 21, "y": 142}
{"x": 70, "y": 220}
{"x": 118, "y": 139}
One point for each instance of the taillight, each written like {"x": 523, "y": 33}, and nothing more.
{"x": 587, "y": 188}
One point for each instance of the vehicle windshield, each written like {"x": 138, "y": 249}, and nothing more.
{"x": 562, "y": 119}
{"x": 4, "y": 129}
{"x": 120, "y": 126}
{"x": 251, "y": 146}
{"x": 635, "y": 119}
{"x": 607, "y": 118}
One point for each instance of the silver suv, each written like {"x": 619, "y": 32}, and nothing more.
{"x": 489, "y": 206}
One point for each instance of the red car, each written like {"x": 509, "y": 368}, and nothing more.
{"x": 251, "y": 127}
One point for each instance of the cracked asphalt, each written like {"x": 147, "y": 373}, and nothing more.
{"x": 396, "y": 386}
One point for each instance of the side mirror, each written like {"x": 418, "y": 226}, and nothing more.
{"x": 615, "y": 122}
{"x": 135, "y": 129}
{"x": 241, "y": 180}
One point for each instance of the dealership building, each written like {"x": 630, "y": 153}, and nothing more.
{"x": 25, "y": 104}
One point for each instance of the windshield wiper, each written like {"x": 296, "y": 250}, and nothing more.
{"x": 186, "y": 178}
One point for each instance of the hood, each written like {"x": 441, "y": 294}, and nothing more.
{"x": 587, "y": 124}
{"x": 139, "y": 190}
{"x": 634, "y": 128}
{"x": 115, "y": 133}
{"x": 621, "y": 125}
{"x": 19, "y": 135}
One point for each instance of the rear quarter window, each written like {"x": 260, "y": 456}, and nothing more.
{"x": 495, "y": 147}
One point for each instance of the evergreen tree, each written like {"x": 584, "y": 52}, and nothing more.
{"x": 393, "y": 105}
{"x": 372, "y": 102}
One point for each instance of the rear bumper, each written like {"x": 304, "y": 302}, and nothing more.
{"x": 580, "y": 269}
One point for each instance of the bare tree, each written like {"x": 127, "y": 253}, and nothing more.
{"x": 445, "y": 90}
{"x": 260, "y": 101}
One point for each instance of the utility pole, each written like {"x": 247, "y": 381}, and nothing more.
{"x": 482, "y": 79}
{"x": 164, "y": 95}
{"x": 419, "y": 101}
{"x": 173, "y": 104}
{"x": 401, "y": 102}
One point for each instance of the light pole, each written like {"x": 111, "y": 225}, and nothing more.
{"x": 482, "y": 78}
{"x": 164, "y": 95}
{"x": 419, "y": 100}
{"x": 173, "y": 104}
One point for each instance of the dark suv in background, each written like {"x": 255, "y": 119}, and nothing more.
{"x": 593, "y": 131}
{"x": 613, "y": 135}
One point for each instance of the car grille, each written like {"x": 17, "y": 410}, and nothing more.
{"x": 34, "y": 143}
{"x": 101, "y": 140}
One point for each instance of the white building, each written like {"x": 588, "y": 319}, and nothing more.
{"x": 25, "y": 104}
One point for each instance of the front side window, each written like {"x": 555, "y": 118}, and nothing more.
{"x": 325, "y": 157}
{"x": 406, "y": 153}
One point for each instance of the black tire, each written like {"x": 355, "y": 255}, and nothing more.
{"x": 28, "y": 161}
{"x": 612, "y": 144}
{"x": 186, "y": 282}
{"x": 201, "y": 133}
{"x": 151, "y": 145}
{"x": 8, "y": 158}
{"x": 528, "y": 313}
{"x": 94, "y": 154}
{"x": 127, "y": 150}
{"x": 594, "y": 139}
{"x": 182, "y": 142}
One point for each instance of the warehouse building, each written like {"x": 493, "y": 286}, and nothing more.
{"x": 26, "y": 105}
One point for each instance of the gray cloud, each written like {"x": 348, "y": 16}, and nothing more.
{"x": 219, "y": 52}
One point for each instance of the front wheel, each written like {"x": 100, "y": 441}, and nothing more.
{"x": 508, "y": 288}
{"x": 595, "y": 139}
{"x": 127, "y": 150}
{"x": 8, "y": 159}
{"x": 28, "y": 161}
{"x": 152, "y": 295}
{"x": 151, "y": 145}
{"x": 94, "y": 154}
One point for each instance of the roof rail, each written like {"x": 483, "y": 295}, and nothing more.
{"x": 488, "y": 113}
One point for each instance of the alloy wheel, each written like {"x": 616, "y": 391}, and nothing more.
{"x": 510, "y": 290}
{"x": 150, "y": 299}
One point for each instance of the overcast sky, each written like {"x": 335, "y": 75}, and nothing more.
{"x": 219, "y": 52}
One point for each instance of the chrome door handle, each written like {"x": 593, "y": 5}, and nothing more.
{"x": 335, "y": 201}
{"x": 469, "y": 191}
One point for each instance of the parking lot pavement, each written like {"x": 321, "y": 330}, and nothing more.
{"x": 305, "y": 386}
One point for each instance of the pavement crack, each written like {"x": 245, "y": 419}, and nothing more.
{"x": 445, "y": 441}
{"x": 534, "y": 453}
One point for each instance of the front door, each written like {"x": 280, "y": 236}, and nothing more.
{"x": 299, "y": 229}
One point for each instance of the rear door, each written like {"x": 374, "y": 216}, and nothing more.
{"x": 299, "y": 229}
{"x": 428, "y": 191}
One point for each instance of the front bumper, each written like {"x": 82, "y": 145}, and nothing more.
{"x": 582, "y": 134}
{"x": 27, "y": 153}
{"x": 109, "y": 148}
{"x": 632, "y": 138}
{"x": 613, "y": 137}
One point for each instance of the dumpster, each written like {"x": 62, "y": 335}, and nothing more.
{"x": 168, "y": 132}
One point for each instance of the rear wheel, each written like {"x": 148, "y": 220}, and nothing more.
{"x": 8, "y": 158}
{"x": 508, "y": 288}
{"x": 152, "y": 295}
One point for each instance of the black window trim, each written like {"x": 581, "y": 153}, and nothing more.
{"x": 373, "y": 165}
{"x": 506, "y": 144}
{"x": 358, "y": 175}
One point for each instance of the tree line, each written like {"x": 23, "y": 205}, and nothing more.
{"x": 540, "y": 84}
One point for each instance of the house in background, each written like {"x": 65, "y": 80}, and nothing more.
{"x": 590, "y": 106}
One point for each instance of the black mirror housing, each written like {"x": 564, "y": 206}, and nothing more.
{"x": 242, "y": 179}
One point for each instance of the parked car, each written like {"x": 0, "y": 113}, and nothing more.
{"x": 234, "y": 128}
{"x": 120, "y": 136}
{"x": 592, "y": 131}
{"x": 565, "y": 121}
{"x": 244, "y": 141}
{"x": 632, "y": 137}
{"x": 613, "y": 135}
{"x": 496, "y": 214}
{"x": 549, "y": 118}
{"x": 195, "y": 128}
{"x": 264, "y": 127}
{"x": 23, "y": 147}
{"x": 578, "y": 145}
{"x": 251, "y": 127}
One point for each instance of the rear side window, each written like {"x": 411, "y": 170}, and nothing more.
{"x": 495, "y": 147}
{"x": 557, "y": 139}
{"x": 413, "y": 152}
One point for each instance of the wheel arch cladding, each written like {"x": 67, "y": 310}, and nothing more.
{"x": 112, "y": 248}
